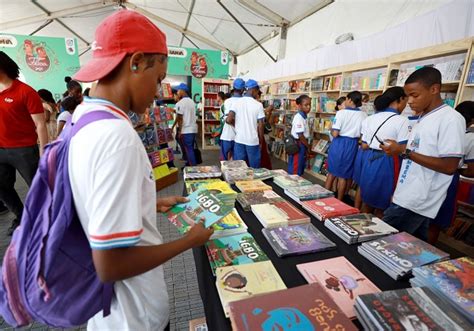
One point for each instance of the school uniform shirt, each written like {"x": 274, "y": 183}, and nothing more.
{"x": 469, "y": 145}
{"x": 248, "y": 112}
{"x": 187, "y": 108}
{"x": 348, "y": 122}
{"x": 115, "y": 197}
{"x": 395, "y": 128}
{"x": 411, "y": 116}
{"x": 63, "y": 117}
{"x": 440, "y": 133}
{"x": 228, "y": 131}
{"x": 300, "y": 125}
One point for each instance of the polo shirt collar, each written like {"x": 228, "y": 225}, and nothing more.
{"x": 303, "y": 114}
{"x": 353, "y": 109}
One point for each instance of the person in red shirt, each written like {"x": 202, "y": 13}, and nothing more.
{"x": 22, "y": 124}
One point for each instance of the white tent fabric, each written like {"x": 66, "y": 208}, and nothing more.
{"x": 452, "y": 21}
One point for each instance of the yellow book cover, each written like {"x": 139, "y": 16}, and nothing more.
{"x": 161, "y": 171}
{"x": 242, "y": 281}
{"x": 164, "y": 157}
{"x": 193, "y": 185}
{"x": 252, "y": 185}
{"x": 221, "y": 186}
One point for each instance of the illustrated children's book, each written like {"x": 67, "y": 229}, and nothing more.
{"x": 230, "y": 225}
{"x": 252, "y": 186}
{"x": 247, "y": 199}
{"x": 279, "y": 213}
{"x": 328, "y": 207}
{"x": 297, "y": 239}
{"x": 242, "y": 281}
{"x": 193, "y": 185}
{"x": 302, "y": 308}
{"x": 234, "y": 250}
{"x": 340, "y": 279}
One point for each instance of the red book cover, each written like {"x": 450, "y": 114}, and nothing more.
{"x": 328, "y": 207}
{"x": 306, "y": 307}
{"x": 294, "y": 215}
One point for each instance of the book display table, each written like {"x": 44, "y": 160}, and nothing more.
{"x": 286, "y": 266}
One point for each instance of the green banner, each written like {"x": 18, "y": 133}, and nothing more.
{"x": 43, "y": 61}
{"x": 198, "y": 64}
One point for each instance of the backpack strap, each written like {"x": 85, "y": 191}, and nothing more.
{"x": 89, "y": 118}
{"x": 107, "y": 295}
{"x": 376, "y": 131}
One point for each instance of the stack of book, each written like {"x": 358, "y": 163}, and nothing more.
{"x": 288, "y": 181}
{"x": 452, "y": 281}
{"x": 262, "y": 174}
{"x": 241, "y": 174}
{"x": 308, "y": 192}
{"x": 234, "y": 164}
{"x": 341, "y": 280}
{"x": 329, "y": 207}
{"x": 297, "y": 239}
{"x": 193, "y": 185}
{"x": 242, "y": 281}
{"x": 248, "y": 199}
{"x": 281, "y": 213}
{"x": 234, "y": 250}
{"x": 279, "y": 172}
{"x": 230, "y": 225}
{"x": 210, "y": 203}
{"x": 304, "y": 308}
{"x": 200, "y": 172}
{"x": 359, "y": 227}
{"x": 399, "y": 253}
{"x": 408, "y": 309}
{"x": 252, "y": 186}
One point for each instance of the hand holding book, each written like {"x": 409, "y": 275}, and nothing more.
{"x": 165, "y": 204}
{"x": 198, "y": 235}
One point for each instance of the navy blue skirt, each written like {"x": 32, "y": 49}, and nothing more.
{"x": 341, "y": 156}
{"x": 359, "y": 164}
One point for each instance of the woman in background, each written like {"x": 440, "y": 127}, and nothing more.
{"x": 50, "y": 113}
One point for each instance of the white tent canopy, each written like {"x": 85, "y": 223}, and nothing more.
{"x": 212, "y": 24}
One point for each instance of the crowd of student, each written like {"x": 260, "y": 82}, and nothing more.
{"x": 110, "y": 177}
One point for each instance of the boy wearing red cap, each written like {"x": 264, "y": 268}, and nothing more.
{"x": 112, "y": 180}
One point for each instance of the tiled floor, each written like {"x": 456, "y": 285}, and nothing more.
{"x": 180, "y": 272}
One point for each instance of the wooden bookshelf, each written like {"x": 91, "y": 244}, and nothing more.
{"x": 210, "y": 111}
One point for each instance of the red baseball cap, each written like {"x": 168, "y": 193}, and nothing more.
{"x": 124, "y": 32}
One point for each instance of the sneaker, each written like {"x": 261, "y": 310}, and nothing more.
{"x": 3, "y": 209}
{"x": 12, "y": 227}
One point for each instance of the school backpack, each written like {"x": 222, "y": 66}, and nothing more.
{"x": 48, "y": 274}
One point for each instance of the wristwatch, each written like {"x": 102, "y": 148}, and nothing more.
{"x": 406, "y": 154}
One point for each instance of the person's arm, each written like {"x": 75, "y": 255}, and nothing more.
{"x": 230, "y": 118}
{"x": 469, "y": 171}
{"x": 364, "y": 145}
{"x": 122, "y": 263}
{"x": 303, "y": 140}
{"x": 40, "y": 123}
{"x": 261, "y": 130}
{"x": 336, "y": 125}
{"x": 179, "y": 121}
{"x": 334, "y": 133}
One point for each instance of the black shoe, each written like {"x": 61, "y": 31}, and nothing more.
{"x": 12, "y": 227}
{"x": 3, "y": 208}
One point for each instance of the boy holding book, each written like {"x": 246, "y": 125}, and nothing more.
{"x": 112, "y": 180}
{"x": 430, "y": 158}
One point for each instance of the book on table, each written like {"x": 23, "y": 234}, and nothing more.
{"x": 252, "y": 186}
{"x": 297, "y": 239}
{"x": 240, "y": 174}
{"x": 288, "y": 181}
{"x": 302, "y": 308}
{"x": 399, "y": 253}
{"x": 199, "y": 172}
{"x": 341, "y": 280}
{"x": 234, "y": 250}
{"x": 308, "y": 192}
{"x": 359, "y": 227}
{"x": 327, "y": 208}
{"x": 242, "y": 281}
{"x": 262, "y": 173}
{"x": 279, "y": 213}
{"x": 230, "y": 225}
{"x": 193, "y": 185}
{"x": 247, "y": 199}
{"x": 233, "y": 164}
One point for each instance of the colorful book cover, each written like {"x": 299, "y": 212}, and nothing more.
{"x": 210, "y": 205}
{"x": 197, "y": 172}
{"x": 290, "y": 181}
{"x": 279, "y": 172}
{"x": 340, "y": 279}
{"x": 252, "y": 185}
{"x": 321, "y": 145}
{"x": 454, "y": 279}
{"x": 229, "y": 225}
{"x": 410, "y": 309}
{"x": 318, "y": 163}
{"x": 234, "y": 250}
{"x": 242, "y": 281}
{"x": 240, "y": 174}
{"x": 360, "y": 225}
{"x": 328, "y": 207}
{"x": 262, "y": 173}
{"x": 309, "y": 192}
{"x": 279, "y": 213}
{"x": 406, "y": 251}
{"x": 247, "y": 199}
{"x": 234, "y": 164}
{"x": 297, "y": 239}
{"x": 193, "y": 185}
{"x": 302, "y": 308}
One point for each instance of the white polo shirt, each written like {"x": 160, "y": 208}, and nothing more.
{"x": 114, "y": 195}
{"x": 228, "y": 131}
{"x": 395, "y": 128}
{"x": 248, "y": 112}
{"x": 300, "y": 125}
{"x": 469, "y": 145}
{"x": 348, "y": 122}
{"x": 187, "y": 108}
{"x": 440, "y": 133}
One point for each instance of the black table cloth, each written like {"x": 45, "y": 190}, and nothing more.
{"x": 286, "y": 266}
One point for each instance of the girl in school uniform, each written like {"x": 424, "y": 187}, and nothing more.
{"x": 300, "y": 131}
{"x": 358, "y": 166}
{"x": 379, "y": 174}
{"x": 346, "y": 133}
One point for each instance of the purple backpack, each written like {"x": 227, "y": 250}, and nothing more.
{"x": 48, "y": 274}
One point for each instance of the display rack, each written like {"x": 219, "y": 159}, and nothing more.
{"x": 371, "y": 77}
{"x": 211, "y": 113}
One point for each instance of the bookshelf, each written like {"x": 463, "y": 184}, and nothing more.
{"x": 211, "y": 114}
{"x": 455, "y": 60}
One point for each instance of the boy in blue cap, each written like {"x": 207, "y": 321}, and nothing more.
{"x": 186, "y": 111}
{"x": 247, "y": 116}
{"x": 228, "y": 132}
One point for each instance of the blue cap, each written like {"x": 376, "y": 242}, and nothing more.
{"x": 183, "y": 87}
{"x": 251, "y": 84}
{"x": 239, "y": 84}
